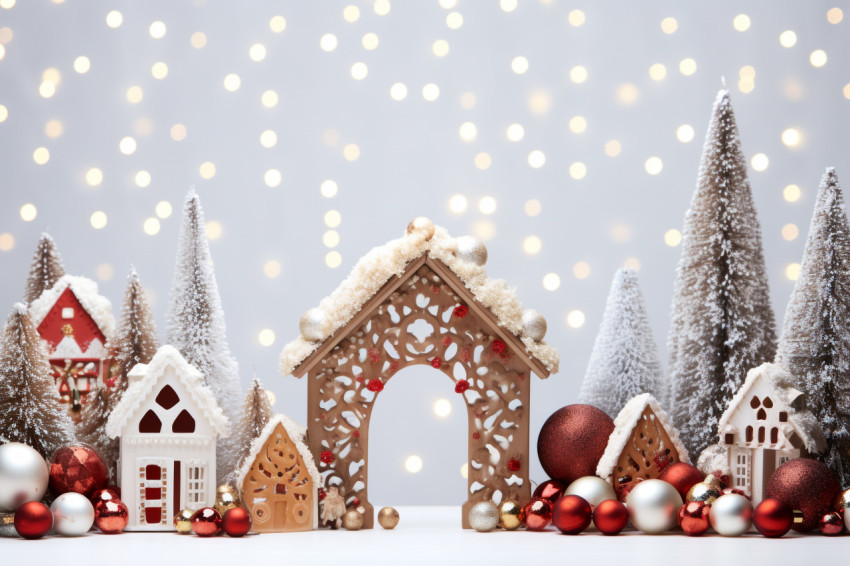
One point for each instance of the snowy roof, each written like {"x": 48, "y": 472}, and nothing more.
{"x": 379, "y": 265}
{"x": 803, "y": 422}
{"x": 98, "y": 306}
{"x": 625, "y": 423}
{"x": 296, "y": 432}
{"x": 147, "y": 378}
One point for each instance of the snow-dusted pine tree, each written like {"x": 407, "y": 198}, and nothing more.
{"x": 722, "y": 322}
{"x": 624, "y": 362}
{"x": 135, "y": 343}
{"x": 46, "y": 268}
{"x": 196, "y": 322}
{"x": 255, "y": 416}
{"x": 815, "y": 345}
{"x": 29, "y": 401}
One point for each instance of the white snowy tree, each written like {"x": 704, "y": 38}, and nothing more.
{"x": 195, "y": 322}
{"x": 722, "y": 322}
{"x": 815, "y": 345}
{"x": 46, "y": 268}
{"x": 624, "y": 362}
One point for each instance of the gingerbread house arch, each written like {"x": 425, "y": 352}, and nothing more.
{"x": 423, "y": 299}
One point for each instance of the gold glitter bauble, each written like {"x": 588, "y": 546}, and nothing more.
{"x": 226, "y": 497}
{"x": 352, "y": 520}
{"x": 421, "y": 226}
{"x": 388, "y": 518}
{"x": 705, "y": 492}
{"x": 183, "y": 521}
{"x": 509, "y": 515}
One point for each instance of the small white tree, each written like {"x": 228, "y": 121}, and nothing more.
{"x": 624, "y": 362}
{"x": 46, "y": 268}
{"x": 815, "y": 345}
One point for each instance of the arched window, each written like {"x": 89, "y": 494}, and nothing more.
{"x": 754, "y": 402}
{"x": 767, "y": 403}
{"x": 749, "y": 434}
{"x": 774, "y": 435}
{"x": 184, "y": 423}
{"x": 167, "y": 397}
{"x": 761, "y": 435}
{"x": 761, "y": 415}
{"x": 150, "y": 423}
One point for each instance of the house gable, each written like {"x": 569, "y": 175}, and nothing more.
{"x": 69, "y": 320}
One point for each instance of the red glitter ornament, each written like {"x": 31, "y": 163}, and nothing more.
{"x": 773, "y": 518}
{"x": 514, "y": 465}
{"x": 571, "y": 514}
{"x": 356, "y": 434}
{"x": 327, "y": 457}
{"x": 610, "y": 517}
{"x": 206, "y": 522}
{"x": 375, "y": 385}
{"x": 374, "y": 354}
{"x": 476, "y": 436}
{"x": 461, "y": 386}
{"x": 110, "y": 383}
{"x": 33, "y": 519}
{"x": 693, "y": 518}
{"x": 682, "y": 476}
{"x": 236, "y": 522}
{"x": 536, "y": 514}
{"x": 550, "y": 490}
{"x": 461, "y": 311}
{"x": 572, "y": 440}
{"x": 807, "y": 485}
{"x": 498, "y": 346}
{"x": 447, "y": 340}
{"x": 111, "y": 516}
{"x": 105, "y": 494}
{"x": 831, "y": 524}
{"x": 436, "y": 363}
{"x": 77, "y": 468}
{"x": 322, "y": 493}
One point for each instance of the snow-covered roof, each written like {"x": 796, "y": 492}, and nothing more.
{"x": 625, "y": 423}
{"x": 295, "y": 432}
{"x": 775, "y": 376}
{"x": 145, "y": 384}
{"x": 379, "y": 265}
{"x": 98, "y": 306}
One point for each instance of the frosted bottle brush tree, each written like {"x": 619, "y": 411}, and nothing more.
{"x": 256, "y": 413}
{"x": 722, "y": 322}
{"x": 46, "y": 269}
{"x": 815, "y": 345}
{"x": 624, "y": 362}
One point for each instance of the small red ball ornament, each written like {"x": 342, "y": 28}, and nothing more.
{"x": 773, "y": 518}
{"x": 550, "y": 490}
{"x": 327, "y": 456}
{"x": 693, "y": 518}
{"x": 572, "y": 440}
{"x": 111, "y": 516}
{"x": 461, "y": 386}
{"x": 610, "y": 517}
{"x": 807, "y": 485}
{"x": 436, "y": 363}
{"x": 514, "y": 465}
{"x": 498, "y": 346}
{"x": 536, "y": 515}
{"x": 110, "y": 383}
{"x": 236, "y": 522}
{"x": 571, "y": 514}
{"x": 460, "y": 311}
{"x": 831, "y": 524}
{"x": 682, "y": 476}
{"x": 105, "y": 494}
{"x": 77, "y": 468}
{"x": 375, "y": 385}
{"x": 206, "y": 522}
{"x": 33, "y": 519}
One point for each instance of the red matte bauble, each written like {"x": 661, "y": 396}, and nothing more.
{"x": 682, "y": 476}
{"x": 111, "y": 516}
{"x": 236, "y": 522}
{"x": 571, "y": 514}
{"x": 693, "y": 518}
{"x": 831, "y": 524}
{"x": 536, "y": 515}
{"x": 572, "y": 441}
{"x": 610, "y": 517}
{"x": 206, "y": 522}
{"x": 806, "y": 485}
{"x": 105, "y": 494}
{"x": 773, "y": 518}
{"x": 550, "y": 490}
{"x": 77, "y": 468}
{"x": 33, "y": 519}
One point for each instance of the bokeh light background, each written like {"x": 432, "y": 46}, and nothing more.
{"x": 567, "y": 135}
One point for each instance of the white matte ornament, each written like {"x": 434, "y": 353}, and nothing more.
{"x": 471, "y": 249}
{"x": 593, "y": 489}
{"x": 73, "y": 515}
{"x": 731, "y": 515}
{"x": 312, "y": 324}
{"x": 23, "y": 475}
{"x": 484, "y": 516}
{"x": 421, "y": 226}
{"x": 533, "y": 325}
{"x": 653, "y": 506}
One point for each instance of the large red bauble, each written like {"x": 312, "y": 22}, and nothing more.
{"x": 206, "y": 522}
{"x": 807, "y": 485}
{"x": 550, "y": 490}
{"x": 536, "y": 515}
{"x": 682, "y": 476}
{"x": 111, "y": 516}
{"x": 33, "y": 519}
{"x": 610, "y": 517}
{"x": 693, "y": 517}
{"x": 773, "y": 518}
{"x": 77, "y": 468}
{"x": 572, "y": 441}
{"x": 236, "y": 522}
{"x": 571, "y": 514}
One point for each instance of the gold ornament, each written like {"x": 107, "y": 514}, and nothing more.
{"x": 312, "y": 324}
{"x": 422, "y": 226}
{"x": 67, "y": 330}
{"x": 226, "y": 498}
{"x": 471, "y": 249}
{"x": 705, "y": 492}
{"x": 183, "y": 521}
{"x": 509, "y": 515}
{"x": 388, "y": 518}
{"x": 713, "y": 481}
{"x": 533, "y": 325}
{"x": 352, "y": 520}
{"x": 844, "y": 506}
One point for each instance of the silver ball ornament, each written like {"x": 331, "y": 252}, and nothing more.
{"x": 421, "y": 226}
{"x": 731, "y": 515}
{"x": 534, "y": 325}
{"x": 484, "y": 516}
{"x": 312, "y": 324}
{"x": 73, "y": 515}
{"x": 594, "y": 490}
{"x": 653, "y": 506}
{"x": 471, "y": 249}
{"x": 23, "y": 475}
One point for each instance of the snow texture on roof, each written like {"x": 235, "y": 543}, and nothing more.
{"x": 379, "y": 265}
{"x": 803, "y": 422}
{"x": 140, "y": 390}
{"x": 98, "y": 306}
{"x": 625, "y": 423}
{"x": 296, "y": 432}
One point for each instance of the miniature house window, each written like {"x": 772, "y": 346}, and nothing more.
{"x": 783, "y": 416}
{"x": 749, "y": 434}
{"x": 742, "y": 471}
{"x": 195, "y": 486}
{"x": 761, "y": 435}
{"x": 761, "y": 415}
{"x": 767, "y": 403}
{"x": 754, "y": 402}
{"x": 153, "y": 488}
{"x": 774, "y": 435}
{"x": 150, "y": 423}
{"x": 67, "y": 313}
{"x": 730, "y": 438}
{"x": 167, "y": 398}
{"x": 184, "y": 423}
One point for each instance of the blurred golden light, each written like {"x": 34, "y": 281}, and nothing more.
{"x": 151, "y": 226}
{"x": 359, "y": 71}
{"x": 114, "y": 19}
{"x": 791, "y": 137}
{"x": 792, "y": 271}
{"x": 440, "y": 48}
{"x": 487, "y": 205}
{"x": 330, "y": 239}
{"x": 266, "y": 337}
{"x": 142, "y": 179}
{"x": 277, "y": 24}
{"x": 328, "y": 42}
{"x": 741, "y": 22}
{"x": 333, "y": 259}
{"x": 578, "y": 170}
{"x": 458, "y": 204}
{"x": 653, "y": 165}
{"x": 430, "y": 92}
{"x": 198, "y": 39}
{"x": 454, "y": 20}
{"x": 578, "y": 74}
{"x": 268, "y": 139}
{"x": 613, "y": 148}
{"x": 581, "y": 270}
{"x": 532, "y": 245}
{"x": 328, "y": 188}
{"x": 519, "y": 65}
{"x": 98, "y": 220}
{"x": 163, "y": 209}
{"x": 672, "y": 237}
{"x": 576, "y": 18}
{"x": 508, "y": 5}
{"x": 575, "y": 319}
{"x": 468, "y": 100}
{"x": 333, "y": 218}
{"x": 818, "y": 58}
{"x": 105, "y": 271}
{"x": 134, "y": 94}
{"x": 540, "y": 102}
{"x": 467, "y": 131}
{"x": 232, "y": 82}
{"x": 578, "y": 124}
{"x": 271, "y": 269}
{"x": 41, "y": 155}
{"x": 257, "y": 52}
{"x": 551, "y": 281}
{"x": 442, "y": 408}
{"x": 52, "y": 129}
{"x": 483, "y": 160}
{"x": 788, "y": 38}
{"x": 157, "y": 29}
{"x": 515, "y": 132}
{"x": 269, "y": 99}
{"x": 7, "y": 241}
{"x": 127, "y": 145}
{"x": 790, "y": 232}
{"x": 532, "y": 207}
{"x": 82, "y": 64}
{"x": 159, "y": 70}
{"x": 834, "y": 15}
{"x": 685, "y": 133}
{"x": 351, "y": 152}
{"x": 178, "y": 132}
{"x": 94, "y": 176}
{"x": 657, "y": 72}
{"x": 669, "y": 25}
{"x": 382, "y": 7}
{"x": 370, "y": 41}
{"x": 28, "y": 212}
{"x": 759, "y": 162}
{"x": 791, "y": 193}
{"x": 207, "y": 170}
{"x": 627, "y": 94}
{"x": 351, "y": 14}
{"x": 214, "y": 229}
{"x": 272, "y": 178}
{"x": 398, "y": 92}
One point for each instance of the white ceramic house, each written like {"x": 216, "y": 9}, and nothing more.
{"x": 168, "y": 422}
{"x": 766, "y": 425}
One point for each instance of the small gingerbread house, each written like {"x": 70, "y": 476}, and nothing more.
{"x": 279, "y": 480}
{"x": 766, "y": 425}
{"x": 74, "y": 322}
{"x": 642, "y": 445}
{"x": 168, "y": 421}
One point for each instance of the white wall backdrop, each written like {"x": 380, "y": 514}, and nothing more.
{"x": 567, "y": 135}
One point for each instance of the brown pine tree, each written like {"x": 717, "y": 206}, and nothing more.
{"x": 46, "y": 268}
{"x": 255, "y": 416}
